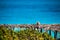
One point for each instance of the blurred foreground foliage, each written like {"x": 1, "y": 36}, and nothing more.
{"x": 28, "y": 34}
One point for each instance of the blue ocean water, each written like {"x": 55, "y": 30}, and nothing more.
{"x": 29, "y": 11}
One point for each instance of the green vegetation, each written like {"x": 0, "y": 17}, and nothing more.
{"x": 28, "y": 34}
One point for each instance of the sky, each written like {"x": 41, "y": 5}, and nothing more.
{"x": 29, "y": 11}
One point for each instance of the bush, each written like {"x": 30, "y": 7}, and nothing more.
{"x": 27, "y": 34}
